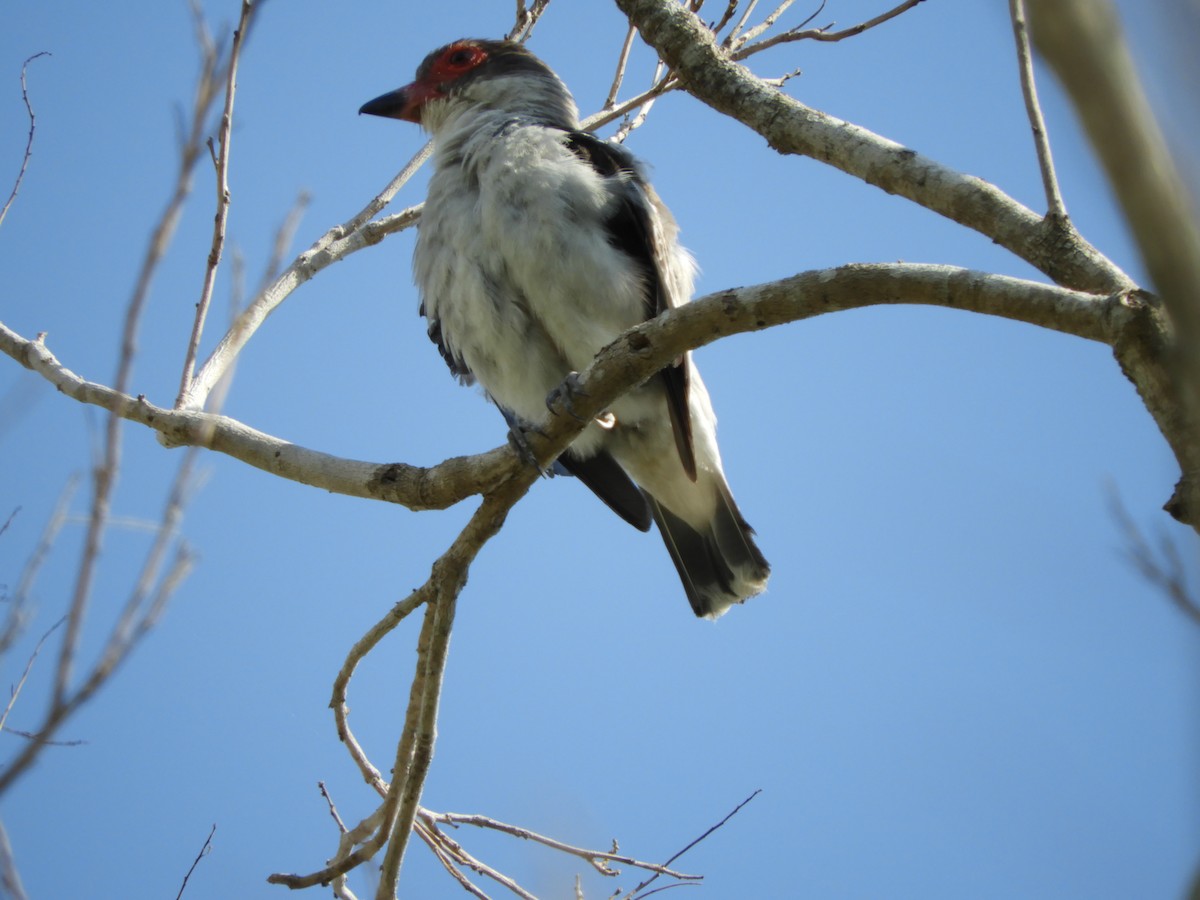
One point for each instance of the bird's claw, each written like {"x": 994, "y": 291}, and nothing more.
{"x": 520, "y": 443}
{"x": 564, "y": 395}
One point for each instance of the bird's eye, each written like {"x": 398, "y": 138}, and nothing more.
{"x": 459, "y": 60}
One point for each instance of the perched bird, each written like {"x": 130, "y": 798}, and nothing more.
{"x": 541, "y": 243}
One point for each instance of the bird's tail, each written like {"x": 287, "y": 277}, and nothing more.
{"x": 718, "y": 561}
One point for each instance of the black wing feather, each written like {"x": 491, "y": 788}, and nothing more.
{"x": 631, "y": 229}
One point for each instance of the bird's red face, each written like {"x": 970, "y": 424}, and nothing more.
{"x": 436, "y": 76}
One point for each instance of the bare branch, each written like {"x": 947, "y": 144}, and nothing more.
{"x": 809, "y": 294}
{"x": 204, "y": 851}
{"x": 28, "y": 141}
{"x": 1164, "y": 570}
{"x": 450, "y": 863}
{"x": 526, "y": 19}
{"x": 598, "y": 859}
{"x": 820, "y": 34}
{"x": 223, "y": 197}
{"x": 1041, "y": 139}
{"x": 602, "y": 118}
{"x": 693, "y": 843}
{"x": 16, "y": 691}
{"x": 622, "y": 61}
{"x": 415, "y": 747}
{"x": 1084, "y": 44}
{"x": 446, "y": 848}
{"x": 10, "y": 878}
{"x": 790, "y": 127}
{"x": 140, "y": 615}
{"x": 730, "y": 8}
{"x": 766, "y": 23}
{"x": 14, "y": 621}
{"x": 337, "y": 243}
{"x": 105, "y": 472}
{"x": 735, "y": 33}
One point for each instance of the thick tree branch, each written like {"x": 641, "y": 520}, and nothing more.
{"x": 1082, "y": 40}
{"x": 1147, "y": 353}
{"x": 724, "y": 313}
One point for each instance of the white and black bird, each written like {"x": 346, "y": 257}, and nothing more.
{"x": 541, "y": 243}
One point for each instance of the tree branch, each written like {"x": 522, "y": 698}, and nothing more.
{"x": 336, "y": 244}
{"x": 1041, "y": 140}
{"x": 221, "y": 164}
{"x": 789, "y": 126}
{"x": 1083, "y": 42}
{"x": 728, "y": 312}
{"x": 29, "y": 140}
{"x": 1147, "y": 353}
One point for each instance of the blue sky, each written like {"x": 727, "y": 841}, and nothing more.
{"x": 956, "y": 685}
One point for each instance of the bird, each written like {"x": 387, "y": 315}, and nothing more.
{"x": 538, "y": 245}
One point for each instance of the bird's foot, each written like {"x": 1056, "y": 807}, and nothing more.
{"x": 564, "y": 395}
{"x": 518, "y": 433}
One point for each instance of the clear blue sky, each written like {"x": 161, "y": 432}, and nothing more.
{"x": 956, "y": 685}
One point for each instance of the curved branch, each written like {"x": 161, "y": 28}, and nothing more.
{"x": 436, "y": 487}
{"x": 1105, "y": 319}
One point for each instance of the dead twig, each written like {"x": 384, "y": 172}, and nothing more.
{"x": 622, "y": 61}
{"x": 16, "y": 691}
{"x": 221, "y": 164}
{"x": 526, "y": 19}
{"x": 1164, "y": 569}
{"x": 204, "y": 851}
{"x": 634, "y": 894}
{"x": 819, "y": 34}
{"x": 1055, "y": 209}
{"x": 28, "y": 141}
{"x": 10, "y": 878}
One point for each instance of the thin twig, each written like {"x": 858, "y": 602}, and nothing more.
{"x": 598, "y": 859}
{"x": 741, "y": 23}
{"x": 14, "y": 621}
{"x": 622, "y": 61}
{"x": 223, "y": 197}
{"x": 16, "y": 691}
{"x": 332, "y": 809}
{"x": 432, "y": 835}
{"x": 730, "y": 9}
{"x": 28, "y": 141}
{"x": 450, "y": 855}
{"x": 602, "y": 118}
{"x": 1168, "y": 575}
{"x": 693, "y": 843}
{"x": 204, "y": 851}
{"x": 12, "y": 515}
{"x": 823, "y": 34}
{"x": 526, "y": 19}
{"x": 1055, "y": 209}
{"x": 10, "y": 878}
{"x": 766, "y": 24}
